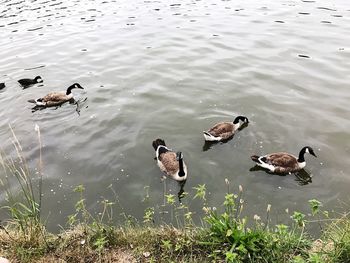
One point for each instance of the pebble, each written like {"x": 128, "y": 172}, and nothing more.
{"x": 4, "y": 260}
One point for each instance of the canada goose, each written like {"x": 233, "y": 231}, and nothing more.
{"x": 283, "y": 163}
{"x": 2, "y": 85}
{"x": 56, "y": 98}
{"x": 169, "y": 162}
{"x": 27, "y": 82}
{"x": 224, "y": 130}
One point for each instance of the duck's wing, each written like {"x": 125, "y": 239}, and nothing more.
{"x": 222, "y": 128}
{"x": 281, "y": 159}
{"x": 55, "y": 96}
{"x": 169, "y": 164}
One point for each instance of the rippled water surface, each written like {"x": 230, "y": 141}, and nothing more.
{"x": 170, "y": 69}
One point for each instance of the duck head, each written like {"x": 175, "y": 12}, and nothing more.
{"x": 38, "y": 79}
{"x": 241, "y": 118}
{"x": 74, "y": 86}
{"x": 309, "y": 150}
{"x": 306, "y": 149}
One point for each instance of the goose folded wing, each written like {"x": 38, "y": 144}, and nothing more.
{"x": 169, "y": 162}
{"x": 55, "y": 97}
{"x": 220, "y": 128}
{"x": 281, "y": 159}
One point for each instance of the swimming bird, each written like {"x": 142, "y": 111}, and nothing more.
{"x": 27, "y": 82}
{"x": 2, "y": 85}
{"x": 282, "y": 162}
{"x": 56, "y": 98}
{"x": 169, "y": 162}
{"x": 224, "y": 130}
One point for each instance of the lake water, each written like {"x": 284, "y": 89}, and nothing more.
{"x": 171, "y": 69}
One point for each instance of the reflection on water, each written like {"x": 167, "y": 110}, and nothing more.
{"x": 181, "y": 193}
{"x": 171, "y": 69}
{"x": 302, "y": 177}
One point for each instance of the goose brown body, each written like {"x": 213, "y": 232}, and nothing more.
{"x": 56, "y": 98}
{"x": 225, "y": 130}
{"x": 169, "y": 162}
{"x": 283, "y": 162}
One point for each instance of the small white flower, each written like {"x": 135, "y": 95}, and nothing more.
{"x": 256, "y": 217}
{"x": 227, "y": 182}
{"x": 268, "y": 208}
{"x": 240, "y": 188}
{"x": 82, "y": 242}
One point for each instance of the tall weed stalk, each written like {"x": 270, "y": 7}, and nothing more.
{"x": 23, "y": 206}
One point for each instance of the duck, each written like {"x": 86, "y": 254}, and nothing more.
{"x": 2, "y": 85}
{"x": 171, "y": 163}
{"x": 224, "y": 130}
{"x": 282, "y": 162}
{"x": 56, "y": 98}
{"x": 27, "y": 82}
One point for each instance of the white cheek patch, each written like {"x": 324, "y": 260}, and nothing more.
{"x": 307, "y": 150}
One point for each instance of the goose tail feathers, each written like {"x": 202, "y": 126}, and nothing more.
{"x": 255, "y": 158}
{"x": 32, "y": 101}
{"x": 209, "y": 137}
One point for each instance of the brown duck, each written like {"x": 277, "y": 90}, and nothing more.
{"x": 224, "y": 130}
{"x": 56, "y": 98}
{"x": 169, "y": 162}
{"x": 282, "y": 162}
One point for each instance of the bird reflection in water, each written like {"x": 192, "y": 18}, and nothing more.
{"x": 302, "y": 177}
{"x": 180, "y": 194}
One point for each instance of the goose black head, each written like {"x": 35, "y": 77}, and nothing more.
{"x": 306, "y": 149}
{"x": 241, "y": 118}
{"x": 74, "y": 86}
{"x": 179, "y": 156}
{"x": 77, "y": 86}
{"x": 38, "y": 79}
{"x": 309, "y": 150}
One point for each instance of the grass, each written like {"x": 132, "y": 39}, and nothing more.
{"x": 225, "y": 236}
